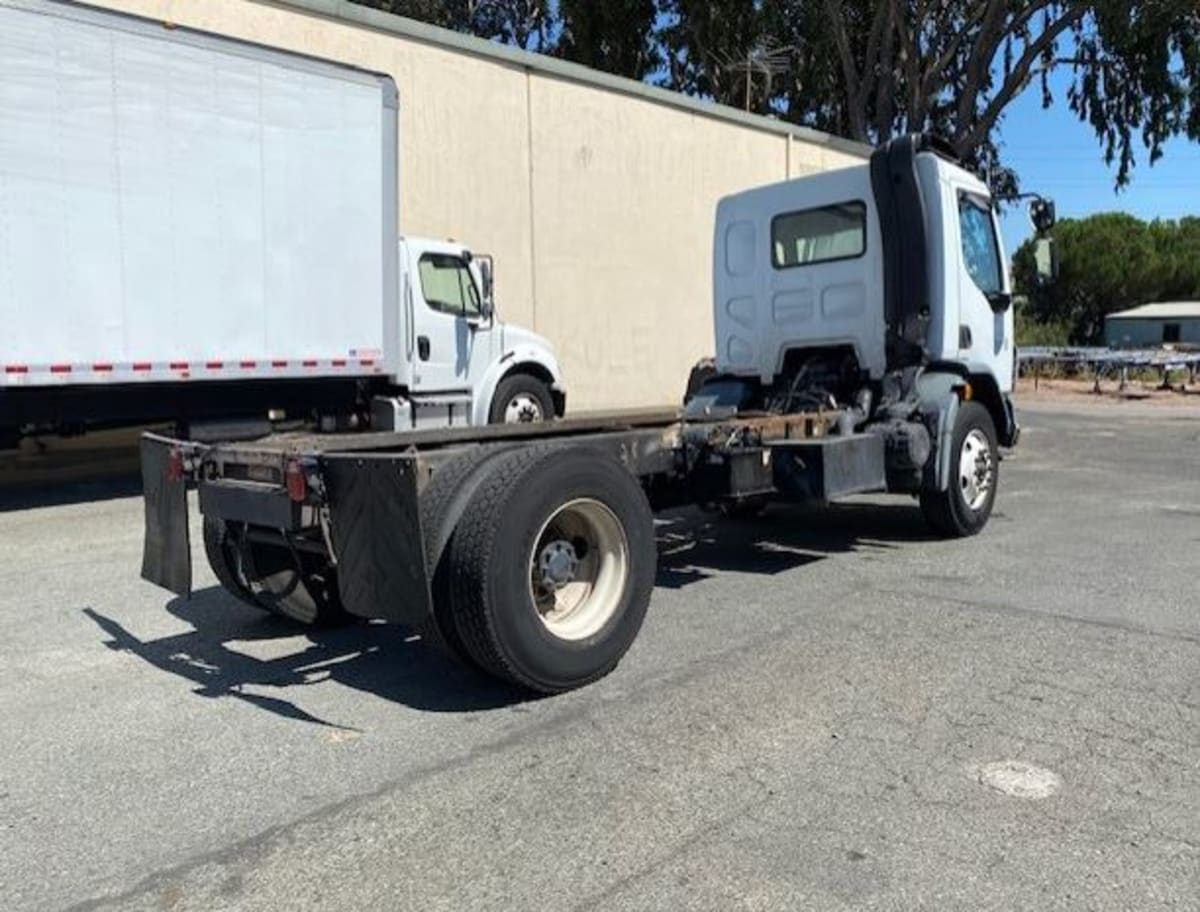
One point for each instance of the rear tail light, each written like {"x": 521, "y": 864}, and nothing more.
{"x": 175, "y": 468}
{"x": 297, "y": 482}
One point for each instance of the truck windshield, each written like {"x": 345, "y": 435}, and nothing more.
{"x": 448, "y": 286}
{"x": 980, "y": 247}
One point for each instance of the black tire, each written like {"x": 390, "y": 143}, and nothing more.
{"x": 490, "y": 566}
{"x": 296, "y": 585}
{"x": 451, "y": 483}
{"x": 522, "y": 385}
{"x": 222, "y": 558}
{"x": 948, "y": 512}
{"x": 267, "y": 579}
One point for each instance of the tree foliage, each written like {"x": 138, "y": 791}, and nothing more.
{"x": 1110, "y": 262}
{"x": 616, "y": 36}
{"x": 874, "y": 69}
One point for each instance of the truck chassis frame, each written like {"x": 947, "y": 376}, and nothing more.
{"x": 368, "y": 523}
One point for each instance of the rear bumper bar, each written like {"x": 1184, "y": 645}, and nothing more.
{"x": 365, "y": 512}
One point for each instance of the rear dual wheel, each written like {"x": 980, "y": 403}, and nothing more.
{"x": 547, "y": 576}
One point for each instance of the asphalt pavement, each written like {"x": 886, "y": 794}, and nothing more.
{"x": 825, "y": 710}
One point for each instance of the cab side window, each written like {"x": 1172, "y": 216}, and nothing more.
{"x": 448, "y": 286}
{"x": 819, "y": 235}
{"x": 980, "y": 249}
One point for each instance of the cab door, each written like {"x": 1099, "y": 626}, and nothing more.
{"x": 451, "y": 334}
{"x": 985, "y": 333}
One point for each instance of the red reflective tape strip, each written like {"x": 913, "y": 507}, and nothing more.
{"x": 143, "y": 366}
{"x": 279, "y": 364}
{"x": 102, "y": 368}
{"x": 248, "y": 365}
{"x": 60, "y": 368}
{"x": 310, "y": 363}
{"x": 179, "y": 365}
{"x": 16, "y": 369}
{"x": 338, "y": 362}
{"x": 214, "y": 365}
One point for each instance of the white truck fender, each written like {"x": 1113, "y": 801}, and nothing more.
{"x": 520, "y": 358}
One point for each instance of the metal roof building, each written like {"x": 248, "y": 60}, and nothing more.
{"x": 1166, "y": 323}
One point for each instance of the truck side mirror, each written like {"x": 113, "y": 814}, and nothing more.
{"x": 1045, "y": 256}
{"x": 487, "y": 306}
{"x": 1043, "y": 215}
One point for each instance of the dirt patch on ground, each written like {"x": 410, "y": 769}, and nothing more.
{"x": 1083, "y": 392}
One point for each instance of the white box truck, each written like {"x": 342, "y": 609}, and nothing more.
{"x": 864, "y": 343}
{"x": 195, "y": 228}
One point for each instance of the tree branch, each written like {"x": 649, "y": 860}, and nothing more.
{"x": 1015, "y": 82}
{"x": 833, "y": 11}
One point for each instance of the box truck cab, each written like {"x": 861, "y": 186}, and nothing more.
{"x": 201, "y": 230}
{"x": 464, "y": 365}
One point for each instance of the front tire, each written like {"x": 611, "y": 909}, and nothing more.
{"x": 964, "y": 508}
{"x": 521, "y": 399}
{"x": 552, "y": 567}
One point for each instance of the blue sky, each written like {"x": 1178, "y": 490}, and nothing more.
{"x": 1061, "y": 158}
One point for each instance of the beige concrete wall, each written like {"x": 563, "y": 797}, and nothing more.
{"x": 596, "y": 203}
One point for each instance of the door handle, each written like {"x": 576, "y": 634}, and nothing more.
{"x": 423, "y": 347}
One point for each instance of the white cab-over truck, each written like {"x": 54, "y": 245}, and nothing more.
{"x": 863, "y": 344}
{"x": 203, "y": 230}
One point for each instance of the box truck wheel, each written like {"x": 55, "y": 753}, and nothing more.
{"x": 552, "y": 566}
{"x": 520, "y": 399}
{"x": 964, "y": 507}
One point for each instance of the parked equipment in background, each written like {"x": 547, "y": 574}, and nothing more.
{"x": 864, "y": 343}
{"x": 202, "y": 230}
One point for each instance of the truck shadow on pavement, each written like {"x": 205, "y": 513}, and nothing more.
{"x": 234, "y": 651}
{"x": 694, "y": 546}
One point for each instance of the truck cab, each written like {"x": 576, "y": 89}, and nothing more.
{"x": 879, "y": 292}
{"x": 899, "y": 262}
{"x": 461, "y": 364}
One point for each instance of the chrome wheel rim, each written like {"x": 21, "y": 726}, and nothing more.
{"x": 523, "y": 408}
{"x": 976, "y": 469}
{"x": 578, "y": 569}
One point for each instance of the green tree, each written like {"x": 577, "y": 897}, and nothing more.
{"x": 1109, "y": 262}
{"x": 874, "y": 69}
{"x": 708, "y": 45}
{"x": 616, "y": 36}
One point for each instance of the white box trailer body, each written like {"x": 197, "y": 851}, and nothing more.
{"x": 175, "y": 205}
{"x": 196, "y": 228}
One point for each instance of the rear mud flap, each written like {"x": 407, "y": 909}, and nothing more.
{"x": 376, "y": 532}
{"x": 166, "y": 547}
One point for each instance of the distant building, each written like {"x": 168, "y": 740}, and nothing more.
{"x": 1152, "y": 325}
